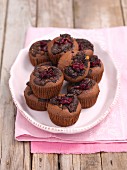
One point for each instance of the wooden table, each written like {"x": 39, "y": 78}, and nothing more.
{"x": 15, "y": 17}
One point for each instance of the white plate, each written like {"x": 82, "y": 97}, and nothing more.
{"x": 109, "y": 88}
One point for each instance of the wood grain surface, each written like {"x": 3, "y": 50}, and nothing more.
{"x": 3, "y": 17}
{"x": 14, "y": 155}
{"x": 15, "y": 17}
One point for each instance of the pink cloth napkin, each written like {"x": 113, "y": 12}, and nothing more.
{"x": 110, "y": 135}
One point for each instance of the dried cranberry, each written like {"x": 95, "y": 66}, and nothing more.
{"x": 95, "y": 61}
{"x": 62, "y": 44}
{"x": 43, "y": 45}
{"x": 68, "y": 101}
{"x": 65, "y": 100}
{"x": 85, "y": 84}
{"x": 78, "y": 66}
{"x": 47, "y": 73}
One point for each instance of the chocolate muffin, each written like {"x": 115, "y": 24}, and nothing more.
{"x": 46, "y": 81}
{"x": 96, "y": 69}
{"x": 86, "y": 46}
{"x": 60, "y": 45}
{"x": 75, "y": 67}
{"x": 38, "y": 52}
{"x": 64, "y": 110}
{"x": 86, "y": 90}
{"x": 33, "y": 102}
{"x": 48, "y": 63}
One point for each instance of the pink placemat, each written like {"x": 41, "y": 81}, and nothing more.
{"x": 111, "y": 134}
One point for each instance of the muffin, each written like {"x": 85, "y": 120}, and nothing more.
{"x": 48, "y": 63}
{"x": 46, "y": 81}
{"x": 38, "y": 52}
{"x": 60, "y": 45}
{"x": 96, "y": 69}
{"x": 64, "y": 110}
{"x": 75, "y": 65}
{"x": 86, "y": 46}
{"x": 86, "y": 90}
{"x": 33, "y": 102}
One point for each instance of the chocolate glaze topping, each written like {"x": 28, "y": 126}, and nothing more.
{"x": 63, "y": 44}
{"x": 68, "y": 101}
{"x": 95, "y": 61}
{"x": 78, "y": 66}
{"x": 84, "y": 44}
{"x": 44, "y": 75}
{"x": 38, "y": 47}
{"x": 79, "y": 87}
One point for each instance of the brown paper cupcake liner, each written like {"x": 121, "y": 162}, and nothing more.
{"x": 96, "y": 77}
{"x": 89, "y": 102}
{"x": 37, "y": 60}
{"x": 39, "y": 106}
{"x": 46, "y": 92}
{"x": 61, "y": 121}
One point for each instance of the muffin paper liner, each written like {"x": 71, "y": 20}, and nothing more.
{"x": 46, "y": 92}
{"x": 39, "y": 106}
{"x": 88, "y": 102}
{"x": 96, "y": 77}
{"x": 37, "y": 60}
{"x": 63, "y": 121}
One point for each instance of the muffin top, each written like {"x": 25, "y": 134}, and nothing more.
{"x": 66, "y": 101}
{"x": 61, "y": 44}
{"x": 45, "y": 74}
{"x": 79, "y": 87}
{"x": 78, "y": 65}
{"x": 85, "y": 44}
{"x": 95, "y": 61}
{"x": 39, "y": 47}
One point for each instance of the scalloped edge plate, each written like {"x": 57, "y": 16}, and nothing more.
{"x": 111, "y": 73}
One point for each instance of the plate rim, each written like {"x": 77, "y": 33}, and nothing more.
{"x": 64, "y": 130}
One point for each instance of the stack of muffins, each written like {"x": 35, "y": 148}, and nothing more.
{"x": 69, "y": 59}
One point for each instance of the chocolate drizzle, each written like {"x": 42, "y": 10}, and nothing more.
{"x": 39, "y": 47}
{"x": 79, "y": 87}
{"x": 45, "y": 74}
{"x": 68, "y": 101}
{"x": 77, "y": 68}
{"x": 63, "y": 44}
{"x": 84, "y": 44}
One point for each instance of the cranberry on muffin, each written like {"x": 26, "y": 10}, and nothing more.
{"x": 96, "y": 69}
{"x": 38, "y": 52}
{"x": 60, "y": 45}
{"x": 33, "y": 102}
{"x": 86, "y": 90}
{"x": 75, "y": 67}
{"x": 86, "y": 46}
{"x": 46, "y": 81}
{"x": 64, "y": 110}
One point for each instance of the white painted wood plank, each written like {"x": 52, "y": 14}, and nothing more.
{"x": 3, "y": 14}
{"x": 97, "y": 14}
{"x": 45, "y": 162}
{"x": 14, "y": 155}
{"x": 55, "y": 13}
